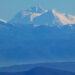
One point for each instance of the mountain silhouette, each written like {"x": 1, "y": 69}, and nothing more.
{"x": 40, "y": 71}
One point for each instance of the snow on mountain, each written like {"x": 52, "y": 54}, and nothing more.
{"x": 39, "y": 16}
{"x": 52, "y": 18}
{"x": 1, "y": 20}
{"x": 27, "y": 16}
{"x": 64, "y": 19}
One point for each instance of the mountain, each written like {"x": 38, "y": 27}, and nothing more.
{"x": 40, "y": 71}
{"x": 37, "y": 35}
{"x": 27, "y": 16}
{"x": 39, "y": 16}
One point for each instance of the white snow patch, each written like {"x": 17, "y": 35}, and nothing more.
{"x": 63, "y": 19}
{"x": 34, "y": 15}
{"x": 3, "y": 20}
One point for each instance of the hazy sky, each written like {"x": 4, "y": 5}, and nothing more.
{"x": 9, "y": 8}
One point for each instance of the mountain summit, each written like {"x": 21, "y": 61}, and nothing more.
{"x": 35, "y": 10}
{"x": 39, "y": 16}
{"x": 27, "y": 16}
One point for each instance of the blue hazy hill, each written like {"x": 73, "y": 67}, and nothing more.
{"x": 65, "y": 66}
{"x": 24, "y": 43}
{"x": 40, "y": 71}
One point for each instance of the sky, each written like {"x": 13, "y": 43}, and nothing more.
{"x": 9, "y": 8}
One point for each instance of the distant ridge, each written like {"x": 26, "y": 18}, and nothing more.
{"x": 65, "y": 66}
{"x": 39, "y": 71}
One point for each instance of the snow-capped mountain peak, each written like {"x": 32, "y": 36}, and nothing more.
{"x": 35, "y": 10}
{"x": 28, "y": 15}
{"x": 39, "y": 16}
